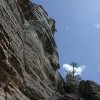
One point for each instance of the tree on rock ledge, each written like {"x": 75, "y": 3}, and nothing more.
{"x": 74, "y": 65}
{"x": 72, "y": 78}
{"x": 72, "y": 73}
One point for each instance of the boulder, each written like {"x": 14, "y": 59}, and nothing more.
{"x": 89, "y": 90}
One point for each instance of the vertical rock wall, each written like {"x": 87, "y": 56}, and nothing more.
{"x": 28, "y": 53}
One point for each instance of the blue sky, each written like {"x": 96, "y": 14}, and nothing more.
{"x": 78, "y": 33}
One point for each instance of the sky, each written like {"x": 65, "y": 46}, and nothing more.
{"x": 78, "y": 34}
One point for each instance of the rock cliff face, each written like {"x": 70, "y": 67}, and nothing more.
{"x": 29, "y": 60}
{"x": 28, "y": 53}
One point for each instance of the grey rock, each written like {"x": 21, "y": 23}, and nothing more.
{"x": 89, "y": 90}
{"x": 73, "y": 96}
{"x": 28, "y": 53}
{"x": 85, "y": 90}
{"x": 72, "y": 85}
{"x": 29, "y": 60}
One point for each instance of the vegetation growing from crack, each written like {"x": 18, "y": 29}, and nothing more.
{"x": 72, "y": 80}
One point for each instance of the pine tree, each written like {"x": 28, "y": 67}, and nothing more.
{"x": 74, "y": 65}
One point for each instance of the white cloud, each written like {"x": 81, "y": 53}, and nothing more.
{"x": 97, "y": 25}
{"x": 78, "y": 70}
